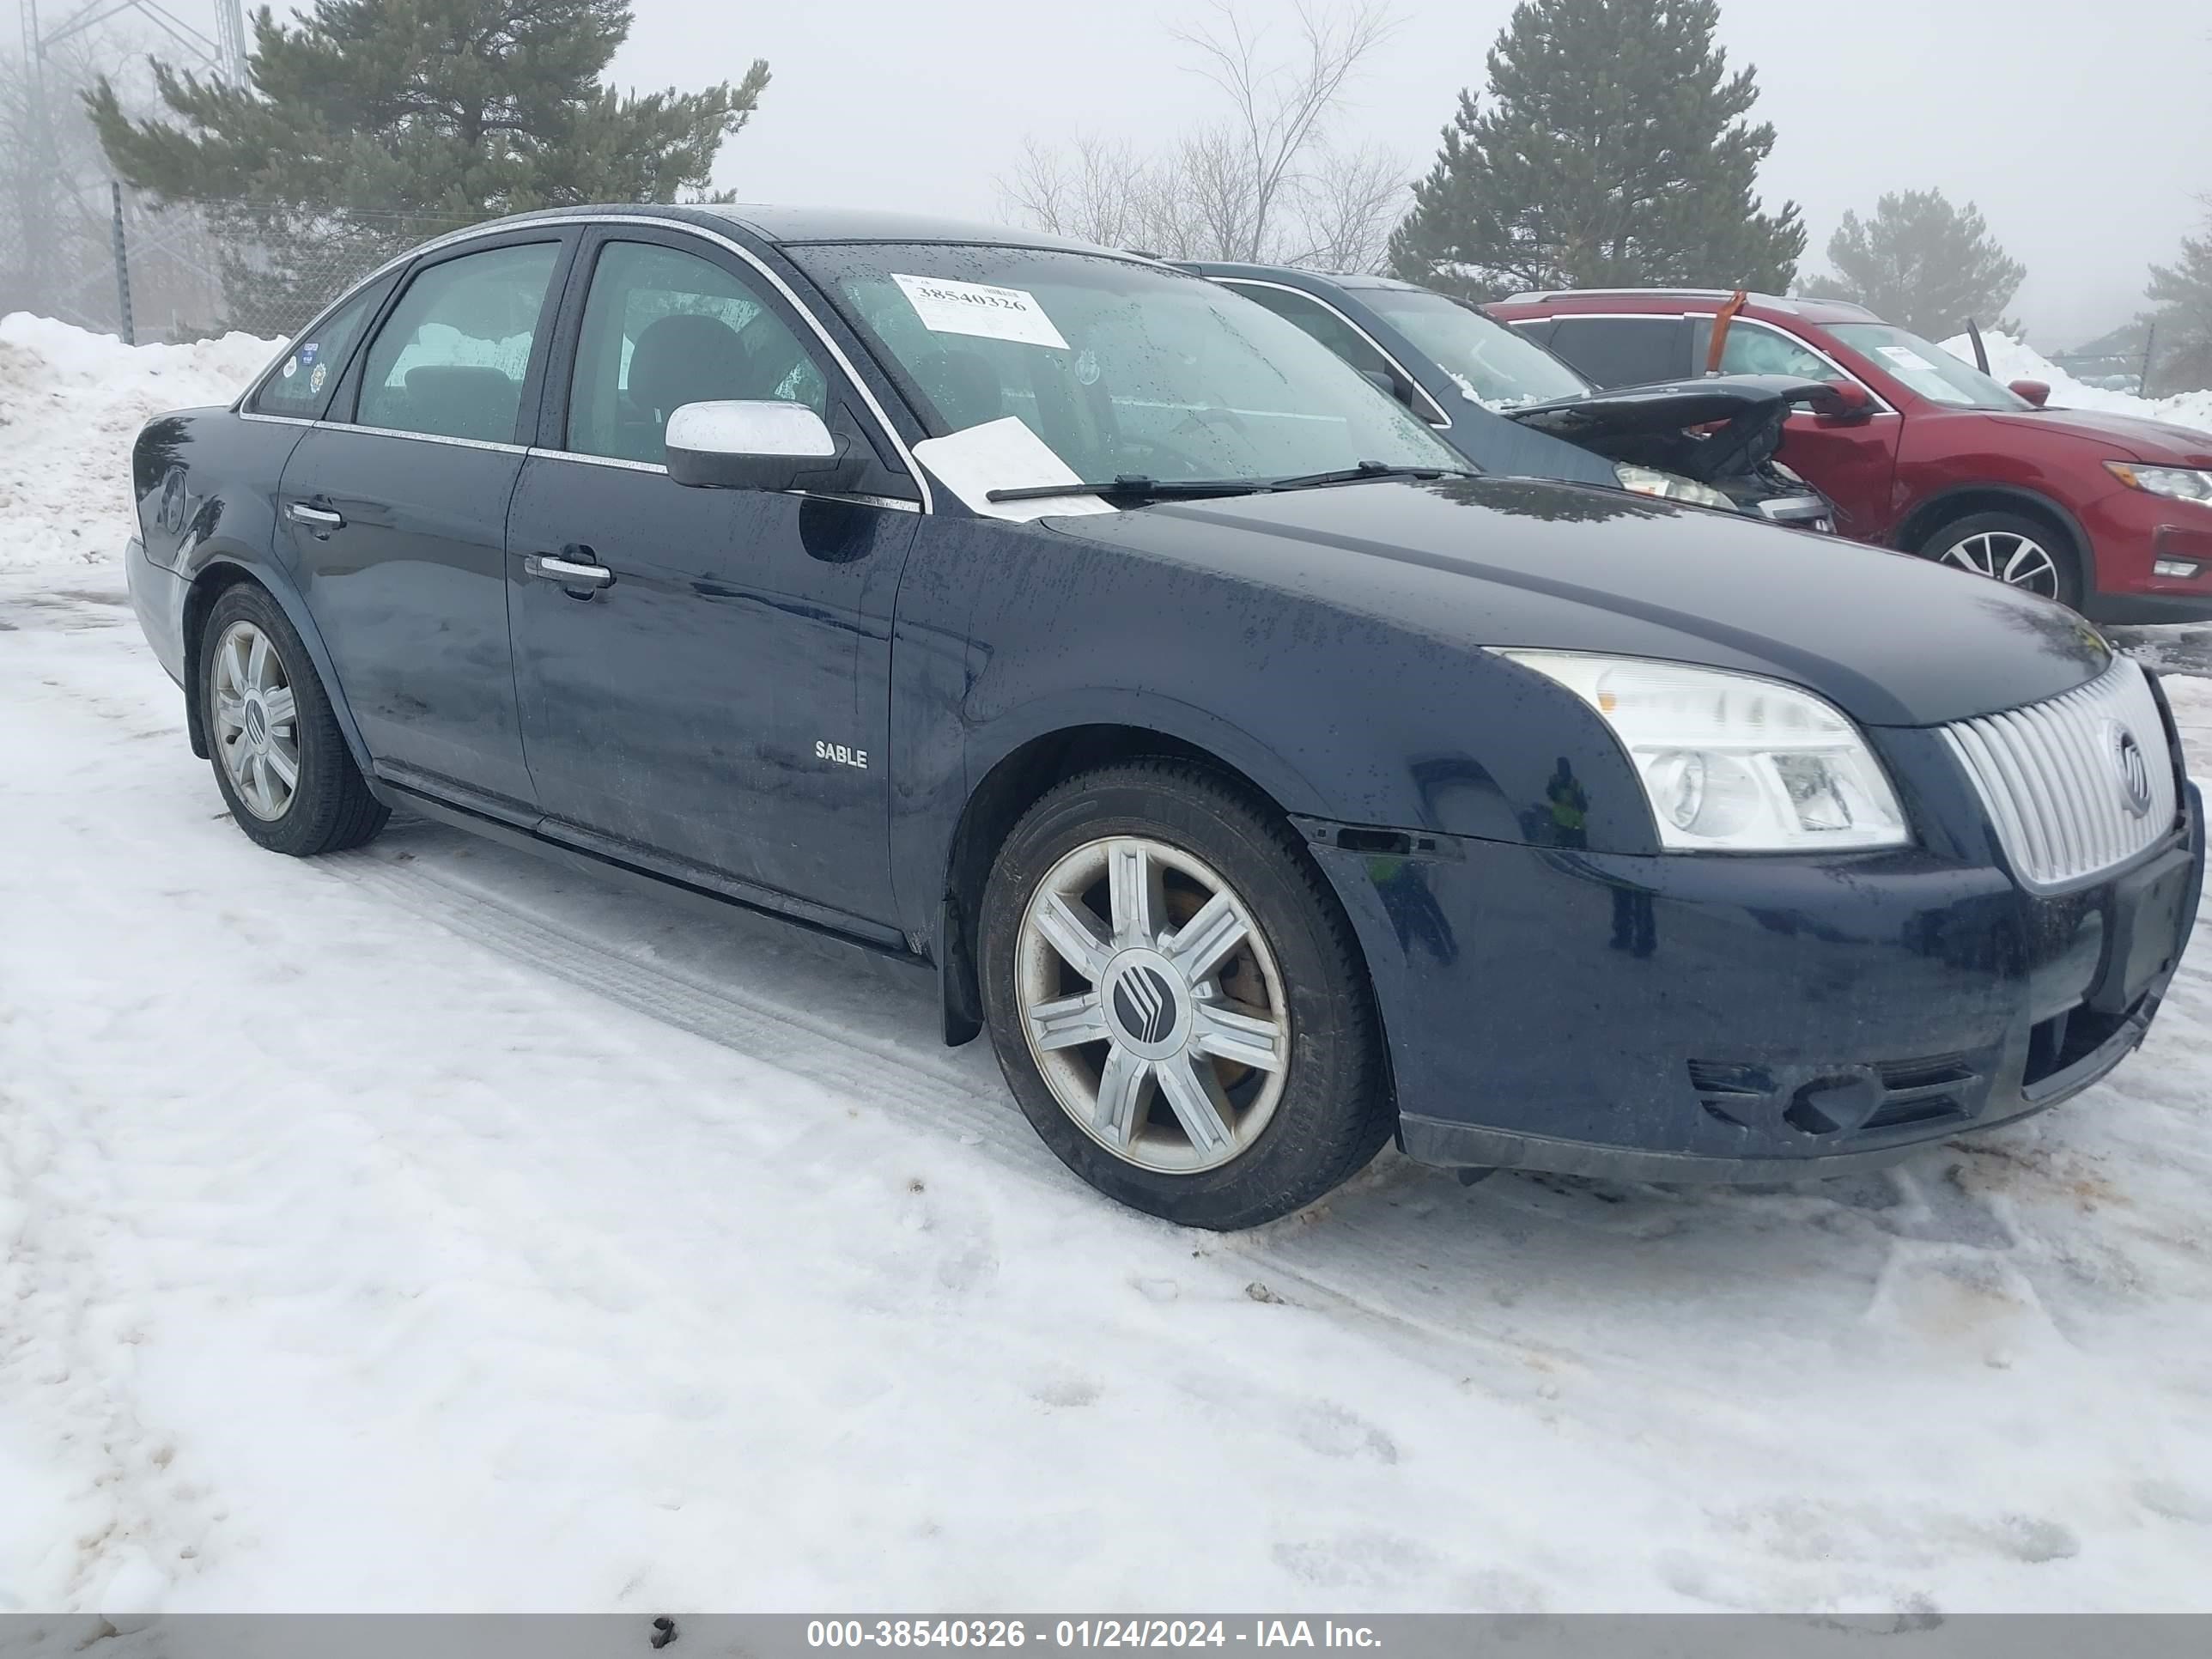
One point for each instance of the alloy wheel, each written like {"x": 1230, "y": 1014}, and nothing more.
{"x": 1152, "y": 1005}
{"x": 257, "y": 721}
{"x": 2007, "y": 556}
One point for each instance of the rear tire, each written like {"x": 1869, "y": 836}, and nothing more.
{"x": 279, "y": 758}
{"x": 1176, "y": 999}
{"x": 2013, "y": 549}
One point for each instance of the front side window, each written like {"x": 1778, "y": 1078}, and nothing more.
{"x": 451, "y": 358}
{"x": 1493, "y": 365}
{"x": 1312, "y": 317}
{"x": 1754, "y": 348}
{"x": 1929, "y": 370}
{"x": 1119, "y": 367}
{"x": 662, "y": 328}
{"x": 303, "y": 382}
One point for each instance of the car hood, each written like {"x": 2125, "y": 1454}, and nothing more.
{"x": 1892, "y": 640}
{"x": 1670, "y": 405}
{"x": 2155, "y": 442}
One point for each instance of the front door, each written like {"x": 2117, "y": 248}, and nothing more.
{"x": 1852, "y": 462}
{"x": 715, "y": 702}
{"x": 395, "y": 511}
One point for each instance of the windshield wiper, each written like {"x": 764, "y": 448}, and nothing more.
{"x": 1134, "y": 483}
{"x": 1366, "y": 470}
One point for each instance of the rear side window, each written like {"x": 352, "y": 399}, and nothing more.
{"x": 302, "y": 385}
{"x": 450, "y": 360}
{"x": 1624, "y": 350}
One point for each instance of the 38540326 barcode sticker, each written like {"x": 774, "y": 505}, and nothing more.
{"x": 991, "y": 313}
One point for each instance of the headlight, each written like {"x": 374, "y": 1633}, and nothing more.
{"x": 1673, "y": 486}
{"x": 2179, "y": 481}
{"x": 1731, "y": 762}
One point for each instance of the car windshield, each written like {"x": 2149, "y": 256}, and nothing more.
{"x": 1929, "y": 370}
{"x": 1492, "y": 364}
{"x": 1122, "y": 369}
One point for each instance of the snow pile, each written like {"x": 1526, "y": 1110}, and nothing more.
{"x": 2015, "y": 359}
{"x": 70, "y": 402}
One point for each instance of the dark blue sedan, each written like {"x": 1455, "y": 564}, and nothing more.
{"x": 1266, "y": 783}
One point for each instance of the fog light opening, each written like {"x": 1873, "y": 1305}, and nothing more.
{"x": 1832, "y": 1105}
{"x": 2181, "y": 569}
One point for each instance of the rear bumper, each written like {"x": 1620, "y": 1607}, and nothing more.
{"x": 158, "y": 598}
{"x": 1733, "y": 1020}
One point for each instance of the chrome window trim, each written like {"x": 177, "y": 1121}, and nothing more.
{"x": 1881, "y": 404}
{"x": 274, "y": 419}
{"x": 1441, "y": 421}
{"x": 538, "y": 453}
{"x": 502, "y": 228}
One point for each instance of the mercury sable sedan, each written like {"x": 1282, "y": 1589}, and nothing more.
{"x": 1265, "y": 784}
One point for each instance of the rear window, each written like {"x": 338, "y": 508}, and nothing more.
{"x": 300, "y": 385}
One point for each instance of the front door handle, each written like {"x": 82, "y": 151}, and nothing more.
{"x": 569, "y": 572}
{"x": 315, "y": 518}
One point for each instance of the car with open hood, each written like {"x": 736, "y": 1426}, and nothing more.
{"x": 1513, "y": 409}
{"x": 2109, "y": 514}
{"x": 1265, "y": 782}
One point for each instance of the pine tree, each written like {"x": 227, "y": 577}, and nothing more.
{"x": 370, "y": 123}
{"x": 1614, "y": 152}
{"x": 1924, "y": 264}
{"x": 2181, "y": 293}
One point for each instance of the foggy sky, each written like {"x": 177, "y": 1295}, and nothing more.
{"x": 2083, "y": 132}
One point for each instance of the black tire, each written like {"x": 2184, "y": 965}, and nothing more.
{"x": 1334, "y": 1110}
{"x": 2007, "y": 530}
{"x": 331, "y": 807}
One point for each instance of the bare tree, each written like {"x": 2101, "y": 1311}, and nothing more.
{"x": 1261, "y": 181}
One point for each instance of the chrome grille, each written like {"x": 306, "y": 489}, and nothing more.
{"x": 2060, "y": 782}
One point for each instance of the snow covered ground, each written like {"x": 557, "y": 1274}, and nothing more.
{"x": 429, "y": 1228}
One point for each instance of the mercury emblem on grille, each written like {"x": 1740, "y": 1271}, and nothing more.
{"x": 2132, "y": 766}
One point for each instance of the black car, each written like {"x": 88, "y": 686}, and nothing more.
{"x": 1267, "y": 785}
{"x": 1516, "y": 409}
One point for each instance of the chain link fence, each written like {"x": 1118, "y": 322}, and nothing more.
{"x": 115, "y": 261}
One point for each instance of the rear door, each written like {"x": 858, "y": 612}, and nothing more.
{"x": 395, "y": 507}
{"x": 717, "y": 707}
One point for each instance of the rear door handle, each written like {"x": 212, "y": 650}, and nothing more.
{"x": 569, "y": 572}
{"x": 315, "y": 518}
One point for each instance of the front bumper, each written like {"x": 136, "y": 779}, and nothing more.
{"x": 1673, "y": 1018}
{"x": 2133, "y": 531}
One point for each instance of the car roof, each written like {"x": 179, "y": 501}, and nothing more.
{"x": 1297, "y": 275}
{"x": 1805, "y": 308}
{"x": 794, "y": 226}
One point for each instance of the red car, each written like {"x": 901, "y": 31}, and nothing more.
{"x": 2111, "y": 514}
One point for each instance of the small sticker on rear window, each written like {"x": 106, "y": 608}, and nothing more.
{"x": 991, "y": 313}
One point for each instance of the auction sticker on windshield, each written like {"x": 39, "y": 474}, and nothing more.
{"x": 991, "y": 313}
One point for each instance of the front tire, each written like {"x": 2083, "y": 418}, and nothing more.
{"x": 1176, "y": 999}
{"x": 279, "y": 758}
{"x": 2011, "y": 548}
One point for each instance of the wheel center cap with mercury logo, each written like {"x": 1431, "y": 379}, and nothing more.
{"x": 1147, "y": 1003}
{"x": 2131, "y": 765}
{"x": 257, "y": 723}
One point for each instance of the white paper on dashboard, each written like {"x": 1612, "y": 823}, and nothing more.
{"x": 991, "y": 313}
{"x": 1004, "y": 454}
